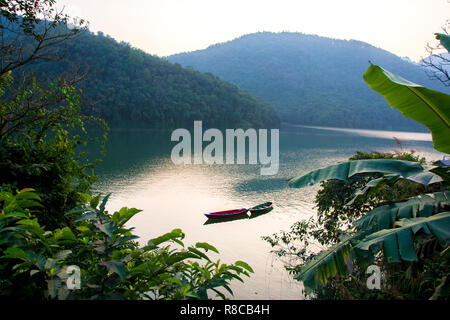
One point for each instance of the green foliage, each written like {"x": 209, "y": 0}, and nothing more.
{"x": 396, "y": 155}
{"x": 423, "y": 205}
{"x": 341, "y": 225}
{"x": 426, "y": 106}
{"x": 34, "y": 262}
{"x": 330, "y": 263}
{"x": 44, "y": 133}
{"x": 398, "y": 242}
{"x": 405, "y": 169}
{"x": 393, "y": 232}
{"x": 43, "y": 141}
{"x": 125, "y": 84}
{"x": 30, "y": 29}
{"x": 444, "y": 40}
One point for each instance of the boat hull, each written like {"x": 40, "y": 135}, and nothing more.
{"x": 261, "y": 209}
{"x": 227, "y": 214}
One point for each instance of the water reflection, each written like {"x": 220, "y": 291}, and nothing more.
{"x": 260, "y": 184}
{"x": 401, "y": 135}
{"x": 224, "y": 220}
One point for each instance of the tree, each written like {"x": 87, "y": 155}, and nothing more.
{"x": 30, "y": 30}
{"x": 57, "y": 223}
{"x": 42, "y": 132}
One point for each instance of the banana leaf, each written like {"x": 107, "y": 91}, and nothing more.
{"x": 373, "y": 187}
{"x": 429, "y": 107}
{"x": 384, "y": 217}
{"x": 406, "y": 169}
{"x": 398, "y": 243}
{"x": 327, "y": 264}
{"x": 444, "y": 39}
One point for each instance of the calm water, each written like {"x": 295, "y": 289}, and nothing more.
{"x": 139, "y": 172}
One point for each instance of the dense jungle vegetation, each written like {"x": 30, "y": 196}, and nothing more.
{"x": 124, "y": 84}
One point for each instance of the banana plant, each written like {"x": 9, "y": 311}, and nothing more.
{"x": 330, "y": 263}
{"x": 378, "y": 225}
{"x": 398, "y": 243}
{"x": 444, "y": 39}
{"x": 390, "y": 228}
{"x": 384, "y": 217}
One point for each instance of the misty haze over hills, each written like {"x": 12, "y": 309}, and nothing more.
{"x": 311, "y": 80}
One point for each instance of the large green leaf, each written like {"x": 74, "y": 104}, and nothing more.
{"x": 444, "y": 39}
{"x": 115, "y": 266}
{"x": 174, "y": 235}
{"x": 429, "y": 107}
{"x": 423, "y": 205}
{"x": 327, "y": 264}
{"x": 373, "y": 187}
{"x": 123, "y": 215}
{"x": 398, "y": 243}
{"x": 206, "y": 246}
{"x": 244, "y": 265}
{"x": 342, "y": 171}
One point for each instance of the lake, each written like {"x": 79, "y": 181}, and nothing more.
{"x": 139, "y": 173}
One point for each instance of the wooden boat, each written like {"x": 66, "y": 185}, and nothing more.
{"x": 227, "y": 214}
{"x": 261, "y": 208}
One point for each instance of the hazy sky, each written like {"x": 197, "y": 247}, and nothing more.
{"x": 164, "y": 27}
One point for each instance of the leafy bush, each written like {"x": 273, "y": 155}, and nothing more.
{"x": 34, "y": 262}
{"x": 331, "y": 237}
{"x": 42, "y": 143}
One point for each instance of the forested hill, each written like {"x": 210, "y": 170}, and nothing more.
{"x": 127, "y": 84}
{"x": 311, "y": 80}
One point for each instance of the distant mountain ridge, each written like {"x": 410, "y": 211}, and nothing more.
{"x": 127, "y": 85}
{"x": 311, "y": 80}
